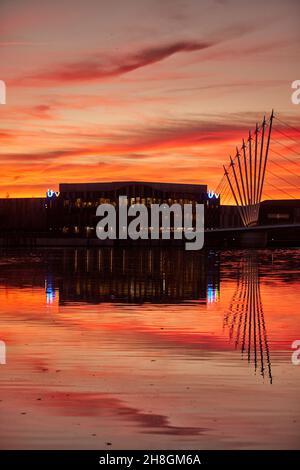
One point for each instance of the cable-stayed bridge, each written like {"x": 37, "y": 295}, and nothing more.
{"x": 269, "y": 157}
{"x": 267, "y": 161}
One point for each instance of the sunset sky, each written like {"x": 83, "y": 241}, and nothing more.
{"x": 150, "y": 90}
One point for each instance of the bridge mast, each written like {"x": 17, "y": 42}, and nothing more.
{"x": 266, "y": 154}
{"x": 247, "y": 186}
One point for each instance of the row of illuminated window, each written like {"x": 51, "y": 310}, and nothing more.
{"x": 76, "y": 229}
{"x": 137, "y": 200}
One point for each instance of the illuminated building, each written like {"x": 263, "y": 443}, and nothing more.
{"x": 72, "y": 210}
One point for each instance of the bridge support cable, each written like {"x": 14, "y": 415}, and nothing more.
{"x": 246, "y": 174}
{"x": 287, "y": 125}
{"x": 284, "y": 157}
{"x": 282, "y": 191}
{"x": 248, "y": 169}
{"x": 240, "y": 188}
{"x": 284, "y": 168}
{"x": 240, "y": 209}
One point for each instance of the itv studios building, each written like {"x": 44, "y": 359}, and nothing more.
{"x": 71, "y": 211}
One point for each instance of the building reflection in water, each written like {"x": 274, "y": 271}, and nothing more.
{"x": 245, "y": 318}
{"x": 165, "y": 276}
{"x": 139, "y": 275}
{"x": 50, "y": 289}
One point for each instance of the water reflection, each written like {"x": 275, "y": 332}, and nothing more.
{"x": 167, "y": 277}
{"x": 50, "y": 289}
{"x": 139, "y": 276}
{"x": 160, "y": 276}
{"x": 245, "y": 317}
{"x": 144, "y": 347}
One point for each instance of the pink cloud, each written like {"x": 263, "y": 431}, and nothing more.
{"x": 98, "y": 67}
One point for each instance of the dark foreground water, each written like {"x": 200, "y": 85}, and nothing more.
{"x": 151, "y": 348}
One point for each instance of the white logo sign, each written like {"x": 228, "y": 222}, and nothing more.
{"x": 52, "y": 193}
{"x": 213, "y": 195}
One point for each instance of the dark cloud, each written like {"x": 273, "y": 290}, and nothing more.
{"x": 98, "y": 67}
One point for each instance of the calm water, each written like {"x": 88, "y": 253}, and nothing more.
{"x": 128, "y": 348}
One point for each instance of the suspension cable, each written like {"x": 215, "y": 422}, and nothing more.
{"x": 283, "y": 179}
{"x": 286, "y": 146}
{"x": 282, "y": 190}
{"x": 285, "y": 169}
{"x": 288, "y": 136}
{"x": 288, "y": 125}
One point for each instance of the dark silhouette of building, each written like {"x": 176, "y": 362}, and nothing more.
{"x": 23, "y": 215}
{"x": 73, "y": 212}
{"x": 271, "y": 212}
{"x": 284, "y": 211}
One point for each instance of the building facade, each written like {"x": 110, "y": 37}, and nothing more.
{"x": 230, "y": 217}
{"x": 282, "y": 211}
{"x": 23, "y": 215}
{"x": 72, "y": 210}
{"x": 271, "y": 212}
